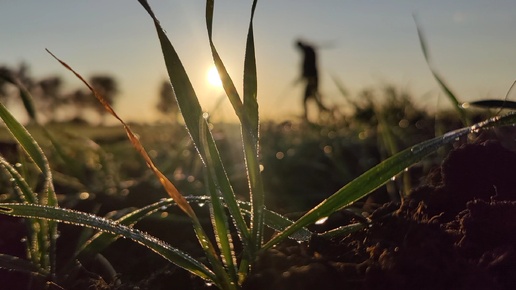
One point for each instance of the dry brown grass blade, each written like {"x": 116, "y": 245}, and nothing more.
{"x": 167, "y": 184}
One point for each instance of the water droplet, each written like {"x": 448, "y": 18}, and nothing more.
{"x": 321, "y": 221}
{"x": 84, "y": 195}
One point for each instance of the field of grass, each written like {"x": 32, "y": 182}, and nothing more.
{"x": 199, "y": 205}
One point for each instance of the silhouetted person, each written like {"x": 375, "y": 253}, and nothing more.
{"x": 310, "y": 76}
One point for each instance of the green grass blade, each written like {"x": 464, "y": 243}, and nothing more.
{"x": 102, "y": 240}
{"x": 192, "y": 114}
{"x": 218, "y": 215}
{"x": 227, "y": 82}
{"x": 24, "y": 191}
{"x": 279, "y": 223}
{"x": 36, "y": 236}
{"x": 451, "y": 96}
{"x": 24, "y": 139}
{"x": 382, "y": 173}
{"x": 250, "y": 131}
{"x": 47, "y": 233}
{"x": 248, "y": 116}
{"x": 492, "y": 104}
{"x": 250, "y": 81}
{"x": 168, "y": 252}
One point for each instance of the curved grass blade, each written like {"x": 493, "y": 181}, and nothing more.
{"x": 168, "y": 252}
{"x": 44, "y": 243}
{"x": 382, "y": 173}
{"x": 24, "y": 191}
{"x": 25, "y": 140}
{"x": 102, "y": 240}
{"x": 492, "y": 104}
{"x": 248, "y": 116}
{"x": 169, "y": 187}
{"x": 451, "y": 96}
{"x": 192, "y": 113}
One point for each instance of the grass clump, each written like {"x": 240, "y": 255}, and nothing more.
{"x": 235, "y": 233}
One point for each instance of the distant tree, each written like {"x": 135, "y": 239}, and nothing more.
{"x": 106, "y": 86}
{"x": 10, "y": 78}
{"x": 49, "y": 97}
{"x": 167, "y": 104}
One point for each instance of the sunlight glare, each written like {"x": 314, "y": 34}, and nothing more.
{"x": 213, "y": 77}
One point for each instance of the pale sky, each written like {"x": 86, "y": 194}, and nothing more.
{"x": 364, "y": 43}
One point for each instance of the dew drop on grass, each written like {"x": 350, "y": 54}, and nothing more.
{"x": 321, "y": 221}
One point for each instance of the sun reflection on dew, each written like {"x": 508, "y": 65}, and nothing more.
{"x": 84, "y": 195}
{"x": 321, "y": 221}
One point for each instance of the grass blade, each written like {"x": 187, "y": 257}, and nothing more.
{"x": 24, "y": 191}
{"x": 250, "y": 133}
{"x": 168, "y": 252}
{"x": 451, "y": 96}
{"x": 492, "y": 104}
{"x": 43, "y": 245}
{"x": 218, "y": 215}
{"x": 192, "y": 114}
{"x": 382, "y": 173}
{"x": 169, "y": 187}
{"x": 248, "y": 116}
{"x": 102, "y": 240}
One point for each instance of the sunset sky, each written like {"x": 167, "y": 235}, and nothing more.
{"x": 363, "y": 43}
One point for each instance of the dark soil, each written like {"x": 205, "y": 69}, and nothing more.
{"x": 458, "y": 231}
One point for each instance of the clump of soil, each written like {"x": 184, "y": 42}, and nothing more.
{"x": 456, "y": 232}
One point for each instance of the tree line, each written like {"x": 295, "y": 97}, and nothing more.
{"x": 55, "y": 104}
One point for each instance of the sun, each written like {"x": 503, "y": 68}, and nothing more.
{"x": 213, "y": 77}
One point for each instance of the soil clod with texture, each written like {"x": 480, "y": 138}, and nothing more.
{"x": 457, "y": 231}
